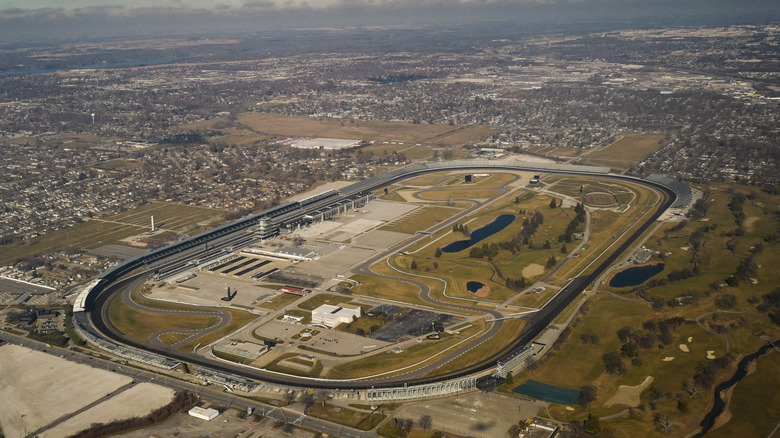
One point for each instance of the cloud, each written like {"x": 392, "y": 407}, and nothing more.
{"x": 258, "y": 4}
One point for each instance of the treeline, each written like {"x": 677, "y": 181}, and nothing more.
{"x": 746, "y": 270}
{"x": 181, "y": 401}
{"x": 568, "y": 235}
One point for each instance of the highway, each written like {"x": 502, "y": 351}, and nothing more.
{"x": 537, "y": 322}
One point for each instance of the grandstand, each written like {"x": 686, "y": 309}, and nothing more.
{"x": 683, "y": 192}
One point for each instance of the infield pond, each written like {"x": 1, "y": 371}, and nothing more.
{"x": 481, "y": 234}
{"x": 636, "y": 275}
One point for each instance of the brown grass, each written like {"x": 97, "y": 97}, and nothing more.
{"x": 262, "y": 126}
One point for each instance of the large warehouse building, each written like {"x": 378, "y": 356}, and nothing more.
{"x": 331, "y": 316}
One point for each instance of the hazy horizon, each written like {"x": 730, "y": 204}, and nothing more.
{"x": 47, "y": 20}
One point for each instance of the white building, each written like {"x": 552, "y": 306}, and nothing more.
{"x": 207, "y": 414}
{"x": 331, "y": 316}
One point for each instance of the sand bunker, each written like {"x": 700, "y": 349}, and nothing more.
{"x": 533, "y": 270}
{"x": 684, "y": 348}
{"x": 483, "y": 292}
{"x": 629, "y": 395}
{"x": 569, "y": 408}
{"x": 710, "y": 354}
{"x": 750, "y": 223}
{"x": 668, "y": 359}
{"x": 690, "y": 339}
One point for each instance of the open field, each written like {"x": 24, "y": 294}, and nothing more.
{"x": 631, "y": 148}
{"x": 347, "y": 417}
{"x": 145, "y": 395}
{"x": 168, "y": 216}
{"x": 39, "y": 388}
{"x": 110, "y": 229}
{"x": 139, "y": 325}
{"x": 421, "y": 219}
{"x": 267, "y": 125}
{"x": 390, "y": 362}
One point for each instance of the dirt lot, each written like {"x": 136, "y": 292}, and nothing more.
{"x": 37, "y": 388}
{"x": 144, "y": 396}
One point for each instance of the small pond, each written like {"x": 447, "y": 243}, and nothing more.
{"x": 483, "y": 233}
{"x": 636, "y": 275}
{"x": 474, "y": 286}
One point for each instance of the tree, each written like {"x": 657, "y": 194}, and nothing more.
{"x": 629, "y": 349}
{"x": 414, "y": 265}
{"x": 613, "y": 363}
{"x": 425, "y": 422}
{"x": 553, "y": 203}
{"x": 592, "y": 424}
{"x": 726, "y": 301}
{"x": 690, "y": 387}
{"x": 587, "y": 396}
{"x": 509, "y": 379}
{"x": 438, "y": 252}
{"x": 552, "y": 261}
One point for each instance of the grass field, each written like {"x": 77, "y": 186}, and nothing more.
{"x": 110, "y": 229}
{"x": 421, "y": 219}
{"x": 457, "y": 194}
{"x": 267, "y": 125}
{"x": 391, "y": 362}
{"x": 279, "y": 301}
{"x": 631, "y": 148}
{"x": 348, "y": 417}
{"x": 139, "y": 325}
{"x": 320, "y": 299}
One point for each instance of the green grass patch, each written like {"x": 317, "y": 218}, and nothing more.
{"x": 279, "y": 301}
{"x": 324, "y": 298}
{"x": 421, "y": 219}
{"x": 140, "y": 325}
{"x": 389, "y": 362}
{"x": 347, "y": 417}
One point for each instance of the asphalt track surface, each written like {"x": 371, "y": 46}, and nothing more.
{"x": 537, "y": 321}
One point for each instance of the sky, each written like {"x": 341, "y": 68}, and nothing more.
{"x": 33, "y": 20}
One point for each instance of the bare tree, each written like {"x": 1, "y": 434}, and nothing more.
{"x": 691, "y": 388}
{"x": 425, "y": 422}
{"x": 664, "y": 422}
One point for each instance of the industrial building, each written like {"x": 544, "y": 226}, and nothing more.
{"x": 325, "y": 143}
{"x": 332, "y": 316}
{"x": 207, "y": 414}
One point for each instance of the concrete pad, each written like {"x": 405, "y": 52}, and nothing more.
{"x": 37, "y": 388}
{"x": 336, "y": 262}
{"x": 380, "y": 239}
{"x": 137, "y": 401}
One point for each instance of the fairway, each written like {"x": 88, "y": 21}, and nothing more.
{"x": 265, "y": 126}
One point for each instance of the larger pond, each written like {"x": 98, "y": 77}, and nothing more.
{"x": 483, "y": 233}
{"x": 636, "y": 275}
